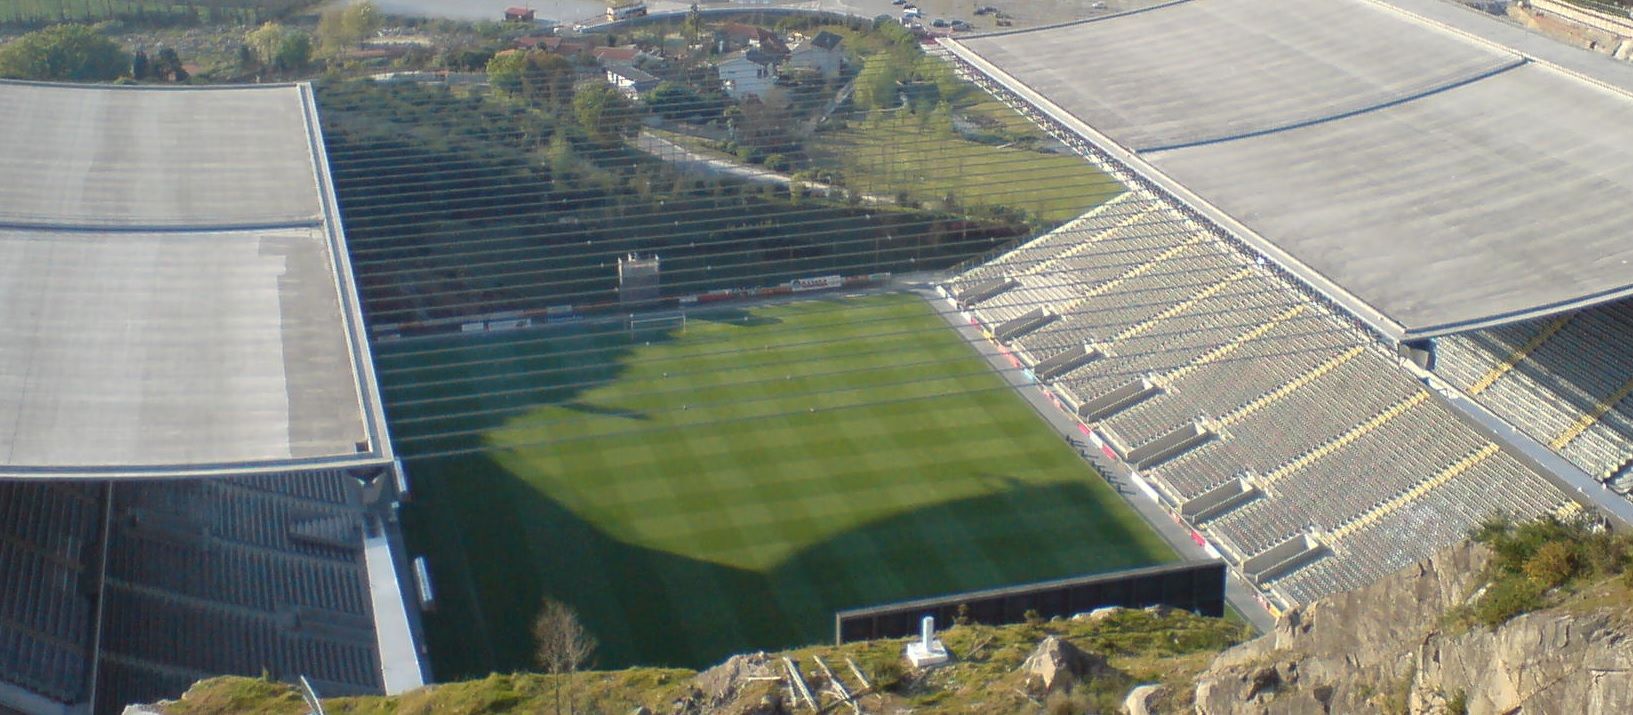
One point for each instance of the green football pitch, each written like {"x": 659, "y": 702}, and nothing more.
{"x": 727, "y": 486}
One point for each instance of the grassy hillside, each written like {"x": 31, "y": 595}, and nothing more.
{"x": 984, "y": 677}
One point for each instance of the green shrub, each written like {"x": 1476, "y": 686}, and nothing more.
{"x": 1505, "y": 599}
{"x": 1458, "y": 703}
{"x": 886, "y": 672}
{"x": 63, "y": 52}
{"x": 1553, "y": 564}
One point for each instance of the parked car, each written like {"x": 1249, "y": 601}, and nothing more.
{"x": 938, "y": 22}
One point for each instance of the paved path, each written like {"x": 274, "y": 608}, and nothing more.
{"x": 1240, "y": 595}
{"x": 689, "y": 160}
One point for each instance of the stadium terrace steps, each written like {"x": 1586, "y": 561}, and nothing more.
{"x": 1333, "y": 437}
{"x": 1566, "y": 386}
{"x": 211, "y": 577}
{"x": 1592, "y": 417}
{"x": 1358, "y": 477}
{"x": 1027, "y": 256}
{"x": 1282, "y": 430}
{"x": 1416, "y": 492}
{"x": 1222, "y": 379}
{"x": 1086, "y": 243}
{"x": 1315, "y": 373}
{"x": 1508, "y": 363}
{"x": 1439, "y": 515}
{"x": 1341, "y": 441}
{"x": 48, "y": 537}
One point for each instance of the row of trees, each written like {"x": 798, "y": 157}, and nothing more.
{"x": 81, "y": 53}
{"x": 281, "y": 49}
{"x": 548, "y": 83}
{"x": 78, "y": 53}
{"x": 74, "y": 53}
{"x": 145, "y": 13}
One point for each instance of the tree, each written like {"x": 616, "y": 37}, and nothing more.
{"x": 535, "y": 75}
{"x": 505, "y": 71}
{"x": 561, "y": 644}
{"x": 342, "y": 28}
{"x": 281, "y": 48}
{"x": 563, "y": 161}
{"x": 674, "y": 101}
{"x": 63, "y": 52}
{"x": 604, "y": 113}
{"x": 139, "y": 65}
{"x": 264, "y": 41}
{"x": 166, "y": 65}
{"x": 876, "y": 84}
{"x": 693, "y": 25}
{"x": 294, "y": 51}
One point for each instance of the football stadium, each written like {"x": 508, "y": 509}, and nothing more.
{"x": 1347, "y": 284}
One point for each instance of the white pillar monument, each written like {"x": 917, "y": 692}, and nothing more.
{"x": 928, "y": 650}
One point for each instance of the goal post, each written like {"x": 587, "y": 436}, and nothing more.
{"x": 660, "y": 321}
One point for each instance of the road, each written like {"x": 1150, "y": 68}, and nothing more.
{"x": 1025, "y": 13}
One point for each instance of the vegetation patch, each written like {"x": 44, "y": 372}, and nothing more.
{"x": 1543, "y": 563}
{"x": 985, "y": 676}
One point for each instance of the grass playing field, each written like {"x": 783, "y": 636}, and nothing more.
{"x": 699, "y": 493}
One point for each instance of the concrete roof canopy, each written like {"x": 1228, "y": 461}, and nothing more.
{"x": 174, "y": 292}
{"x": 1428, "y": 175}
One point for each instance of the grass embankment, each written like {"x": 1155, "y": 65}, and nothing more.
{"x": 984, "y": 676}
{"x": 899, "y": 152}
{"x": 728, "y": 488}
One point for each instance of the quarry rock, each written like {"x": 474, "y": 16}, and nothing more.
{"x": 723, "y": 682}
{"x": 1389, "y": 647}
{"x": 1140, "y": 698}
{"x": 1057, "y": 665}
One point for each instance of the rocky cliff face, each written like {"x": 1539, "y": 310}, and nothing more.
{"x": 1388, "y": 648}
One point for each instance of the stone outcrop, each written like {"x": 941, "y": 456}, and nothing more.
{"x": 1058, "y": 665}
{"x": 1388, "y": 648}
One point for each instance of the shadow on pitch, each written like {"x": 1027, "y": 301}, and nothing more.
{"x": 497, "y": 546}
{"x": 604, "y": 411}
{"x": 733, "y": 316}
{"x": 441, "y": 397}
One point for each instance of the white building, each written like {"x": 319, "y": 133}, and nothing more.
{"x": 820, "y": 54}
{"x": 750, "y": 72}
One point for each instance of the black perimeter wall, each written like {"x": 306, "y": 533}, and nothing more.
{"x": 1196, "y": 587}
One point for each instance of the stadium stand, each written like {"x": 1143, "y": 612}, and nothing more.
{"x": 49, "y": 551}
{"x": 1257, "y": 399}
{"x": 1564, "y": 381}
{"x": 193, "y": 497}
{"x": 1361, "y": 152}
{"x": 1205, "y": 369}
{"x": 239, "y": 576}
{"x": 194, "y": 577}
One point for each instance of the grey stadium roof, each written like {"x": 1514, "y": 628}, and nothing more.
{"x": 175, "y": 296}
{"x": 1432, "y": 178}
